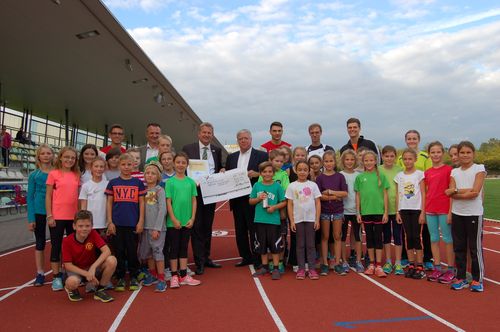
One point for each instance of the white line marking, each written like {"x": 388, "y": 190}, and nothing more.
{"x": 267, "y": 302}
{"x": 18, "y": 288}
{"x": 221, "y": 260}
{"x": 124, "y": 310}
{"x": 19, "y": 249}
{"x": 495, "y": 251}
{"x": 31, "y": 285}
{"x": 487, "y": 279}
{"x": 413, "y": 304}
{"x": 221, "y": 206}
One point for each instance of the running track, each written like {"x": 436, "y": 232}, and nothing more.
{"x": 230, "y": 299}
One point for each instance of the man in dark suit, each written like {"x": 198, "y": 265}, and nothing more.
{"x": 249, "y": 159}
{"x": 201, "y": 234}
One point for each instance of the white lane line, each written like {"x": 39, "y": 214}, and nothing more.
{"x": 31, "y": 285}
{"x": 487, "y": 279}
{"x": 221, "y": 260}
{"x": 495, "y": 251}
{"x": 18, "y": 288}
{"x": 225, "y": 202}
{"x": 274, "y": 315}
{"x": 124, "y": 310}
{"x": 413, "y": 304}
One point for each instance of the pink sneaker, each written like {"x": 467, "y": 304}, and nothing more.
{"x": 435, "y": 275}
{"x": 447, "y": 277}
{"x": 379, "y": 272}
{"x": 313, "y": 275}
{"x": 301, "y": 274}
{"x": 174, "y": 282}
{"x": 190, "y": 281}
{"x": 370, "y": 270}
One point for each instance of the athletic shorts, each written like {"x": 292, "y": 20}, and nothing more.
{"x": 268, "y": 238}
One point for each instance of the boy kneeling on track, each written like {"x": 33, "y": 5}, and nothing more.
{"x": 80, "y": 261}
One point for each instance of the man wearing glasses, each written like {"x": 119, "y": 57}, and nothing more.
{"x": 116, "y": 135}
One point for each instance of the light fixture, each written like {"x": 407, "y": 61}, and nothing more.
{"x": 139, "y": 81}
{"x": 57, "y": 2}
{"x": 159, "y": 98}
{"x": 128, "y": 65}
{"x": 88, "y": 34}
{"x": 181, "y": 116}
{"x": 170, "y": 104}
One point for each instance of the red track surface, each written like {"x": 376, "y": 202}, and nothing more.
{"x": 229, "y": 300}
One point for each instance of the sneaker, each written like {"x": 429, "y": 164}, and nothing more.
{"x": 313, "y": 275}
{"x": 419, "y": 273}
{"x": 168, "y": 274}
{"x": 134, "y": 284}
{"x": 370, "y": 270}
{"x": 387, "y": 268}
{"x": 428, "y": 266}
{"x": 359, "y": 267}
{"x": 476, "y": 286}
{"x": 447, "y": 277}
{"x": 409, "y": 272}
{"x": 398, "y": 269}
{"x": 459, "y": 284}
{"x": 435, "y": 275}
{"x": 346, "y": 267}
{"x": 281, "y": 267}
{"x": 174, "y": 282}
{"x": 190, "y": 281}
{"x": 379, "y": 272}
{"x": 301, "y": 274}
{"x": 57, "y": 284}
{"x": 276, "y": 275}
{"x": 271, "y": 266}
{"x": 323, "y": 270}
{"x": 260, "y": 272}
{"x": 74, "y": 295}
{"x": 120, "y": 285}
{"x": 149, "y": 280}
{"x": 295, "y": 268}
{"x": 143, "y": 273}
{"x": 405, "y": 263}
{"x": 161, "y": 286}
{"x": 103, "y": 296}
{"x": 339, "y": 270}
{"x": 90, "y": 288}
{"x": 189, "y": 272}
{"x": 39, "y": 280}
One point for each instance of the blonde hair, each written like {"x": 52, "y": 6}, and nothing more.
{"x": 370, "y": 152}
{"x": 98, "y": 159}
{"x": 345, "y": 154}
{"x": 156, "y": 168}
{"x": 126, "y": 156}
{"x": 297, "y": 148}
{"x": 39, "y": 151}
{"x": 58, "y": 165}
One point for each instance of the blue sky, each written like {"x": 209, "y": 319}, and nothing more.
{"x": 428, "y": 65}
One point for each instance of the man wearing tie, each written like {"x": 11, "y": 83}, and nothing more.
{"x": 201, "y": 234}
{"x": 249, "y": 159}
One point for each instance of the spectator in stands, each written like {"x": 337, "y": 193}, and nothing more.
{"x": 276, "y": 131}
{"x": 6, "y": 143}
{"x": 20, "y": 136}
{"x": 116, "y": 134}
{"x": 153, "y": 132}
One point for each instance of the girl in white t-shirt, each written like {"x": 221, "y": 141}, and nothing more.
{"x": 304, "y": 209}
{"x": 410, "y": 207}
{"x": 466, "y": 191}
{"x": 92, "y": 195}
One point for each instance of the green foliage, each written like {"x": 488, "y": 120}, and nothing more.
{"x": 489, "y": 155}
{"x": 492, "y": 198}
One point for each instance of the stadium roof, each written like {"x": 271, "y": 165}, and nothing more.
{"x": 75, "y": 55}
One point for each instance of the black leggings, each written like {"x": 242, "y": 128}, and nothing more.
{"x": 56, "y": 237}
{"x": 125, "y": 244}
{"x": 178, "y": 240}
{"x": 356, "y": 228}
{"x": 40, "y": 231}
{"x": 413, "y": 230}
{"x": 373, "y": 229}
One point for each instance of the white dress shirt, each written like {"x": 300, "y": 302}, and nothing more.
{"x": 150, "y": 152}
{"x": 211, "y": 161}
{"x": 243, "y": 159}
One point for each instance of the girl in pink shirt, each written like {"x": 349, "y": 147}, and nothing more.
{"x": 61, "y": 202}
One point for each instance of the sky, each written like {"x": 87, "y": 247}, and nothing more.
{"x": 428, "y": 65}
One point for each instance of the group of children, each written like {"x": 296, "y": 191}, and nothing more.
{"x": 392, "y": 201}
{"x": 108, "y": 209}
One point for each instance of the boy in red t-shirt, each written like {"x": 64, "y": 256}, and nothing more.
{"x": 80, "y": 261}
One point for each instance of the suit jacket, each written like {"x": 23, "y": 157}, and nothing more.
{"x": 193, "y": 152}
{"x": 256, "y": 158}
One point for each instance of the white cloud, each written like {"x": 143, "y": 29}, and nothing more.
{"x": 146, "y": 5}
{"x": 224, "y": 17}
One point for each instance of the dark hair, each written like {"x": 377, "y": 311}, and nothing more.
{"x": 304, "y": 162}
{"x": 466, "y": 144}
{"x": 435, "y": 143}
{"x": 113, "y": 126}
{"x": 113, "y": 153}
{"x": 277, "y": 124}
{"x": 153, "y": 124}
{"x": 413, "y": 131}
{"x": 315, "y": 156}
{"x": 83, "y": 215}
{"x": 264, "y": 165}
{"x": 453, "y": 146}
{"x": 81, "y": 161}
{"x": 315, "y": 125}
{"x": 389, "y": 148}
{"x": 353, "y": 120}
{"x": 410, "y": 150}
{"x": 183, "y": 155}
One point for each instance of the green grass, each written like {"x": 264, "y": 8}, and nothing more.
{"x": 492, "y": 198}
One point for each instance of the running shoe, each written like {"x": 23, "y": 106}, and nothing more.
{"x": 271, "y": 266}
{"x": 168, "y": 274}
{"x": 459, "y": 284}
{"x": 120, "y": 285}
{"x": 161, "y": 286}
{"x": 190, "y": 281}
{"x": 419, "y": 273}
{"x": 313, "y": 275}
{"x": 447, "y": 277}
{"x": 339, "y": 270}
{"x": 143, "y": 273}
{"x": 174, "y": 282}
{"x": 359, "y": 267}
{"x": 346, "y": 267}
{"x": 276, "y": 275}
{"x": 189, "y": 272}
{"x": 409, "y": 273}
{"x": 405, "y": 263}
{"x": 476, "y": 286}
{"x": 103, "y": 296}
{"x": 370, "y": 270}
{"x": 74, "y": 295}
{"x": 260, "y": 272}
{"x": 435, "y": 275}
{"x": 39, "y": 280}
{"x": 387, "y": 268}
{"x": 149, "y": 280}
{"x": 428, "y": 266}
{"x": 379, "y": 272}
{"x": 323, "y": 270}
{"x": 57, "y": 284}
{"x": 281, "y": 267}
{"x": 398, "y": 269}
{"x": 134, "y": 284}
{"x": 301, "y": 274}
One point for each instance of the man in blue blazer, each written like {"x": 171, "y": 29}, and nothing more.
{"x": 249, "y": 159}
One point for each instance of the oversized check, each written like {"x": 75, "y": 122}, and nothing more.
{"x": 197, "y": 169}
{"x": 222, "y": 186}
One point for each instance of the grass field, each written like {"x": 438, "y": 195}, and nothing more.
{"x": 492, "y": 198}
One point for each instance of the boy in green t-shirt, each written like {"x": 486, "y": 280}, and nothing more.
{"x": 269, "y": 198}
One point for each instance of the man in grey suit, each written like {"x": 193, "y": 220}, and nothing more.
{"x": 153, "y": 132}
{"x": 201, "y": 234}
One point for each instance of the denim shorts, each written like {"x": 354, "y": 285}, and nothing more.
{"x": 331, "y": 217}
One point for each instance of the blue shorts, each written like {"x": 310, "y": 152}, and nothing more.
{"x": 331, "y": 216}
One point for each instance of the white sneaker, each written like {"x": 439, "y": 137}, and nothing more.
{"x": 168, "y": 274}
{"x": 189, "y": 272}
